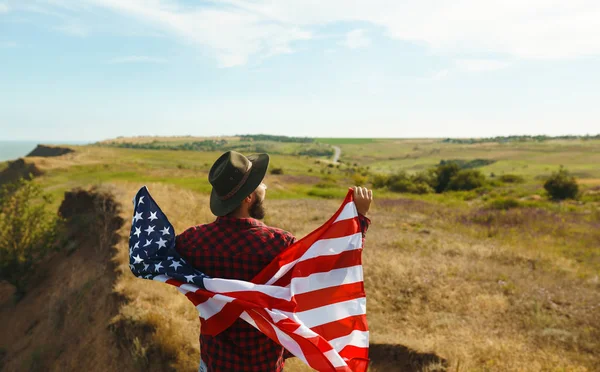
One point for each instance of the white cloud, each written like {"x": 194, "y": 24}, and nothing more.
{"x": 4, "y": 8}
{"x": 476, "y": 65}
{"x": 237, "y": 30}
{"x": 137, "y": 59}
{"x": 357, "y": 39}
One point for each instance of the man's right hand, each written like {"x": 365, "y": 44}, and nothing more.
{"x": 362, "y": 199}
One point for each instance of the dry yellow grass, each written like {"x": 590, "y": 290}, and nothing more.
{"x": 442, "y": 292}
{"x": 432, "y": 287}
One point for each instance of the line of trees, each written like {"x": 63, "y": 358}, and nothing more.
{"x": 506, "y": 139}
{"x": 269, "y": 137}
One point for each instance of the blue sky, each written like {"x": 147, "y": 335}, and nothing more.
{"x": 95, "y": 69}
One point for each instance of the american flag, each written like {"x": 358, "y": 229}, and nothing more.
{"x": 310, "y": 299}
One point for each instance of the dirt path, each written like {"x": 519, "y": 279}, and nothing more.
{"x": 337, "y": 154}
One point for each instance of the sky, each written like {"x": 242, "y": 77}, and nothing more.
{"x": 87, "y": 70}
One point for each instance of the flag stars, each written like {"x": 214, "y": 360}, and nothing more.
{"x": 137, "y": 259}
{"x": 148, "y": 242}
{"x": 137, "y": 245}
{"x": 157, "y": 267}
{"x": 149, "y": 230}
{"x": 165, "y": 231}
{"x": 190, "y": 278}
{"x": 138, "y": 231}
{"x": 146, "y": 266}
{"x": 175, "y": 265}
{"x": 141, "y": 201}
{"x": 161, "y": 243}
{"x": 138, "y": 216}
{"x": 153, "y": 216}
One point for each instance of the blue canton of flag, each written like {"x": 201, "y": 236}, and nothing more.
{"x": 152, "y": 253}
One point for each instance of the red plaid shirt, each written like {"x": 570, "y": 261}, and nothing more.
{"x": 237, "y": 248}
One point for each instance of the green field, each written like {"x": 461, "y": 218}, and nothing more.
{"x": 495, "y": 278}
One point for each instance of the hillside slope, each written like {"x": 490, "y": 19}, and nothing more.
{"x": 61, "y": 324}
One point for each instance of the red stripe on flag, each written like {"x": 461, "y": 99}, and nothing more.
{"x": 342, "y": 228}
{"x": 328, "y": 296}
{"x": 321, "y": 264}
{"x": 324, "y": 264}
{"x": 351, "y": 352}
{"x": 357, "y": 358}
{"x": 342, "y": 327}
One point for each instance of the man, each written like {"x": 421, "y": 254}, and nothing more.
{"x": 238, "y": 246}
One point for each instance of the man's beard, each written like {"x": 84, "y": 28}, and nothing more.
{"x": 257, "y": 209}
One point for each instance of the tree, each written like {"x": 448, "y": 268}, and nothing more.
{"x": 561, "y": 185}
{"x": 28, "y": 231}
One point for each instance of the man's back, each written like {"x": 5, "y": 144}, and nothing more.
{"x": 235, "y": 248}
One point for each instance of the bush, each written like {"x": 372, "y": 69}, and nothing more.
{"x": 561, "y": 185}
{"x": 504, "y": 204}
{"x": 276, "y": 170}
{"x": 466, "y": 179}
{"x": 442, "y": 175}
{"x": 28, "y": 231}
{"x": 511, "y": 178}
{"x": 402, "y": 182}
{"x": 400, "y": 185}
{"x": 359, "y": 179}
{"x": 380, "y": 181}
{"x": 421, "y": 188}
{"x": 427, "y": 177}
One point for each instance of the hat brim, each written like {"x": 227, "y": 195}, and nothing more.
{"x": 260, "y": 163}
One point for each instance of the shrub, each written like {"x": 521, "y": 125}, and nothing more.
{"x": 466, "y": 179}
{"x": 421, "y": 188}
{"x": 359, "y": 179}
{"x": 427, "y": 177}
{"x": 561, "y": 185}
{"x": 380, "y": 181}
{"x": 443, "y": 173}
{"x": 276, "y": 170}
{"x": 401, "y": 185}
{"x": 504, "y": 204}
{"x": 28, "y": 231}
{"x": 511, "y": 178}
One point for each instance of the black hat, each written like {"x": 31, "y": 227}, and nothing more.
{"x": 233, "y": 177}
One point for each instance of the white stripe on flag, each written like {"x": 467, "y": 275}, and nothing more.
{"x": 330, "y": 313}
{"x": 285, "y": 340}
{"x": 355, "y": 338}
{"x": 335, "y": 358}
{"x": 161, "y": 278}
{"x": 229, "y": 285}
{"x": 213, "y": 305}
{"x": 333, "y": 278}
{"x": 330, "y": 247}
{"x": 348, "y": 212}
{"x": 281, "y": 272}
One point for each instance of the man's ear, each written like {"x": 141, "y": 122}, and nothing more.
{"x": 248, "y": 198}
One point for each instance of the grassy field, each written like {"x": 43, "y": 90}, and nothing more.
{"x": 449, "y": 281}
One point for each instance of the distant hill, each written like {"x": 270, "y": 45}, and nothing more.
{"x": 505, "y": 139}
{"x": 247, "y": 143}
